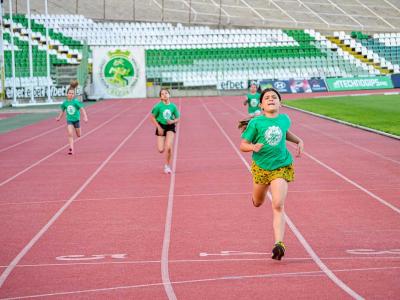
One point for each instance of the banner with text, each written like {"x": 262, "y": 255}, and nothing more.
{"x": 359, "y": 83}
{"x": 119, "y": 72}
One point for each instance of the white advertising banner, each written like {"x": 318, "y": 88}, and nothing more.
{"x": 119, "y": 72}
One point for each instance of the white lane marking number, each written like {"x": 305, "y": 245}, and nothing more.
{"x": 81, "y": 257}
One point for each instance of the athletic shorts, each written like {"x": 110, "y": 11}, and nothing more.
{"x": 261, "y": 176}
{"x": 166, "y": 127}
{"x": 76, "y": 124}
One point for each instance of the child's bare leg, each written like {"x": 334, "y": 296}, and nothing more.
{"x": 160, "y": 143}
{"x": 279, "y": 188}
{"x": 169, "y": 140}
{"x": 78, "y": 132}
{"x": 259, "y": 191}
{"x": 70, "y": 130}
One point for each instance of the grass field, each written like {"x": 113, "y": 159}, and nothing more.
{"x": 379, "y": 112}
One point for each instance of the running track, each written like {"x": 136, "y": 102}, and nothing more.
{"x": 108, "y": 224}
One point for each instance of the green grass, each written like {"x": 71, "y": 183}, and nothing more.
{"x": 375, "y": 111}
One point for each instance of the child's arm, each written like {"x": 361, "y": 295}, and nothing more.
{"x": 291, "y": 137}
{"x": 245, "y": 101}
{"x": 60, "y": 115}
{"x": 155, "y": 123}
{"x": 83, "y": 111}
{"x": 246, "y": 146}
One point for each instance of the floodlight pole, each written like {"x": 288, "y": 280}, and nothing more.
{"x": 30, "y": 49}
{"x": 49, "y": 99}
{"x": 14, "y": 102}
{"x": 2, "y": 65}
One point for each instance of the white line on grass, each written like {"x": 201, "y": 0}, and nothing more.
{"x": 61, "y": 148}
{"x": 296, "y": 232}
{"x": 42, "y": 231}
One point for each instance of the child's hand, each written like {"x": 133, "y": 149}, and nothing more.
{"x": 58, "y": 119}
{"x": 169, "y": 122}
{"x": 300, "y": 148}
{"x": 86, "y": 119}
{"x": 257, "y": 147}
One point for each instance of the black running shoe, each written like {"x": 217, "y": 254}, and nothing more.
{"x": 278, "y": 251}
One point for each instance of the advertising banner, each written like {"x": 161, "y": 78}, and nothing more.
{"x": 359, "y": 83}
{"x": 396, "y": 80}
{"x": 119, "y": 72}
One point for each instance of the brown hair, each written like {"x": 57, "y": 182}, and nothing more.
{"x": 164, "y": 89}
{"x": 270, "y": 90}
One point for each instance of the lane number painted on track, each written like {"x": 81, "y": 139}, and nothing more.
{"x": 81, "y": 257}
{"x": 373, "y": 252}
{"x": 231, "y": 253}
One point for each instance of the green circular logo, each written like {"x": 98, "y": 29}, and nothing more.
{"x": 120, "y": 72}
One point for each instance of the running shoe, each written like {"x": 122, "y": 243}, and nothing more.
{"x": 167, "y": 169}
{"x": 278, "y": 251}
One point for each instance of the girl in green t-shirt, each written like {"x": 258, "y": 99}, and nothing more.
{"x": 73, "y": 108}
{"x": 272, "y": 166}
{"x": 164, "y": 116}
{"x": 253, "y": 101}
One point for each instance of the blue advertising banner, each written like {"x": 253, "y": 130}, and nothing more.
{"x": 396, "y": 80}
{"x": 317, "y": 85}
{"x": 282, "y": 86}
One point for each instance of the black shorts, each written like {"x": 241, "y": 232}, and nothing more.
{"x": 166, "y": 127}
{"x": 76, "y": 124}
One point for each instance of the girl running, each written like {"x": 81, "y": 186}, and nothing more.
{"x": 73, "y": 107}
{"x": 164, "y": 116}
{"x": 253, "y": 101}
{"x": 272, "y": 166}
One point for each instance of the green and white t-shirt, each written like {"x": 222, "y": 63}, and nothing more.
{"x": 163, "y": 112}
{"x": 72, "y": 109}
{"x": 252, "y": 102}
{"x": 272, "y": 133}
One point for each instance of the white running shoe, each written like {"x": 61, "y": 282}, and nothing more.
{"x": 167, "y": 169}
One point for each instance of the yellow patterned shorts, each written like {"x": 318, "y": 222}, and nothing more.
{"x": 261, "y": 176}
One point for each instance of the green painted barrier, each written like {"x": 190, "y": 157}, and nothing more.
{"x": 359, "y": 83}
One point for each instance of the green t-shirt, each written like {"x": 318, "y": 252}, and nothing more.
{"x": 272, "y": 133}
{"x": 72, "y": 108}
{"x": 252, "y": 102}
{"x": 163, "y": 112}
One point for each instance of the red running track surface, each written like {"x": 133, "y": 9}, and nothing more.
{"x": 106, "y": 223}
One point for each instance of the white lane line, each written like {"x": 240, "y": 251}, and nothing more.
{"x": 61, "y": 148}
{"x": 209, "y": 260}
{"x": 46, "y": 132}
{"x": 351, "y": 144}
{"x": 223, "y": 278}
{"x": 42, "y": 231}
{"x": 123, "y": 198}
{"x": 332, "y": 137}
{"x": 379, "y": 199}
{"x": 384, "y": 202}
{"x": 168, "y": 221}
{"x": 294, "y": 229}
